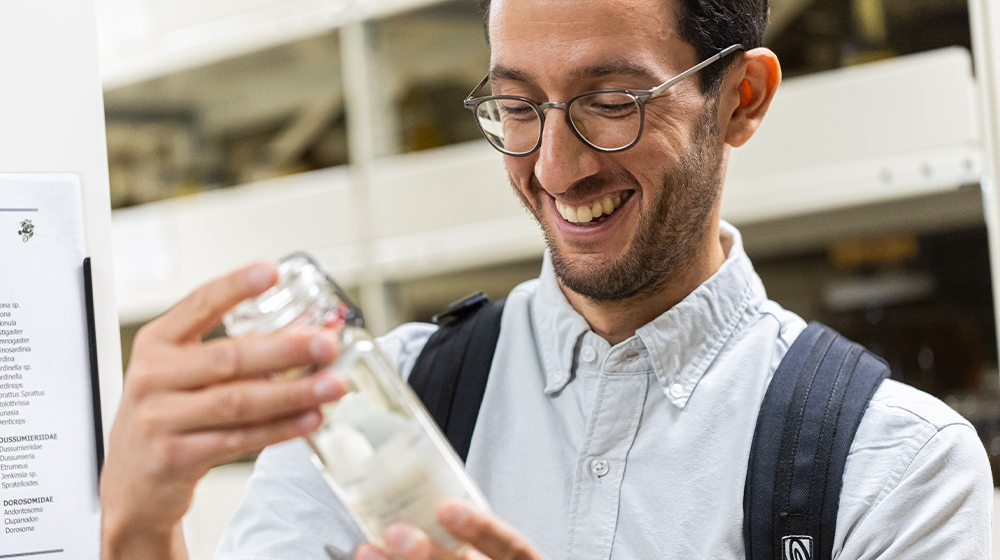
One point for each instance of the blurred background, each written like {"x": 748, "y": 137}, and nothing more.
{"x": 242, "y": 129}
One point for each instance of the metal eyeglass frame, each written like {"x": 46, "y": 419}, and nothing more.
{"x": 640, "y": 96}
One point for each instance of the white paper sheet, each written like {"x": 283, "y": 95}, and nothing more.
{"x": 48, "y": 464}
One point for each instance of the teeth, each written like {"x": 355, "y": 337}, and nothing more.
{"x": 585, "y": 214}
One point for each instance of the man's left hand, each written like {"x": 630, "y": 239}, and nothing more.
{"x": 490, "y": 537}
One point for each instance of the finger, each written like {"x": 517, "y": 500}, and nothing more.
{"x": 485, "y": 531}
{"x": 223, "y": 446}
{"x": 246, "y": 403}
{"x": 369, "y": 552}
{"x": 230, "y": 359}
{"x": 203, "y": 308}
{"x": 410, "y": 543}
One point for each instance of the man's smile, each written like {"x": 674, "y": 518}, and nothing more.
{"x": 605, "y": 228}
{"x": 596, "y": 211}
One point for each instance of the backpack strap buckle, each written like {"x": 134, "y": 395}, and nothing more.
{"x": 460, "y": 308}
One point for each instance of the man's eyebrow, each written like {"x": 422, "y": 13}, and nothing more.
{"x": 613, "y": 68}
{"x": 506, "y": 73}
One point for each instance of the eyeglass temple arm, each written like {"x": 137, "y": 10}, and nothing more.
{"x": 469, "y": 102}
{"x": 670, "y": 83}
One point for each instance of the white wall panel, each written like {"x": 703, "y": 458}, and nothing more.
{"x": 52, "y": 120}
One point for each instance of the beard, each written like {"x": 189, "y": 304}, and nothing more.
{"x": 667, "y": 236}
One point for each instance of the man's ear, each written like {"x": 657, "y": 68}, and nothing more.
{"x": 747, "y": 91}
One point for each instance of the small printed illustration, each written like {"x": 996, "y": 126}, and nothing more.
{"x": 27, "y": 230}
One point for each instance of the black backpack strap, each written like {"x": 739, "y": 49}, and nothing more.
{"x": 450, "y": 374}
{"x": 806, "y": 424}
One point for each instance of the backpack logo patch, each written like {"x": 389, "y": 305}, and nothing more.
{"x": 797, "y": 547}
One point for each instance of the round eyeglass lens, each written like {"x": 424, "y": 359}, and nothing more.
{"x": 608, "y": 120}
{"x": 512, "y": 125}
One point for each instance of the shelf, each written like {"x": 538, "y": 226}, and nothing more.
{"x": 434, "y": 211}
{"x": 451, "y": 208}
{"x": 892, "y": 129}
{"x": 143, "y": 39}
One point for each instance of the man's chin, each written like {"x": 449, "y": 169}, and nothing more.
{"x": 597, "y": 277}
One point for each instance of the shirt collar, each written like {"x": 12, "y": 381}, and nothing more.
{"x": 682, "y": 343}
{"x": 558, "y": 327}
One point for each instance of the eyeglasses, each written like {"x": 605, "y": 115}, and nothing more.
{"x": 607, "y": 120}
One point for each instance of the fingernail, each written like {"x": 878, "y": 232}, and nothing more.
{"x": 327, "y": 386}
{"x": 309, "y": 420}
{"x": 454, "y": 514}
{"x": 401, "y": 538}
{"x": 260, "y": 276}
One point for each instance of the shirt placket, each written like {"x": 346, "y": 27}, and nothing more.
{"x": 600, "y": 468}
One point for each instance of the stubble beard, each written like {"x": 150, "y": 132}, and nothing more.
{"x": 667, "y": 237}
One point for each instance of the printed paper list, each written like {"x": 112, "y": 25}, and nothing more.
{"x": 15, "y": 370}
{"x": 48, "y": 460}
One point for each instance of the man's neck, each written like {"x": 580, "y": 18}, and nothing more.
{"x": 616, "y": 321}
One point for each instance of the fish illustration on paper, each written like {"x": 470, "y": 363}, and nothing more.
{"x": 27, "y": 230}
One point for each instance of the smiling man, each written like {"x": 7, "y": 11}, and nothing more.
{"x": 623, "y": 396}
{"x": 659, "y": 161}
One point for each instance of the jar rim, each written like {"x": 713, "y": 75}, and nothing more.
{"x": 302, "y": 284}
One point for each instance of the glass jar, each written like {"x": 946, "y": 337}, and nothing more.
{"x": 378, "y": 448}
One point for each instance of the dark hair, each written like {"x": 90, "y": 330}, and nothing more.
{"x": 709, "y": 26}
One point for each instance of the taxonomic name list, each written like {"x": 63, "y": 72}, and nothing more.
{"x": 19, "y": 453}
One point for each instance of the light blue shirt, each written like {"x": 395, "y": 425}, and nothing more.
{"x": 640, "y": 450}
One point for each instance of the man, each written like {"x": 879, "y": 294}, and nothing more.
{"x": 627, "y": 379}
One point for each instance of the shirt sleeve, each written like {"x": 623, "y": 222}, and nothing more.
{"x": 935, "y": 501}
{"x": 288, "y": 511}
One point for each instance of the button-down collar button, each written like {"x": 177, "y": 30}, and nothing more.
{"x": 599, "y": 467}
{"x": 588, "y": 354}
{"x": 676, "y": 391}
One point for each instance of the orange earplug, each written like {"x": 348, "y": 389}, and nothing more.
{"x": 746, "y": 94}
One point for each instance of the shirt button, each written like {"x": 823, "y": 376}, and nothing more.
{"x": 588, "y": 354}
{"x": 676, "y": 391}
{"x": 599, "y": 467}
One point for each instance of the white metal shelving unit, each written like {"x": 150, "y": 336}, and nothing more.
{"x": 831, "y": 141}
{"x": 889, "y": 130}
{"x": 985, "y": 16}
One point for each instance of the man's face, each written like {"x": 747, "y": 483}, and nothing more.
{"x": 552, "y": 50}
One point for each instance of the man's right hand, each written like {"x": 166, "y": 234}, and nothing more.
{"x": 188, "y": 406}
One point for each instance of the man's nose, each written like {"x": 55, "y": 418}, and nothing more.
{"x": 563, "y": 159}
